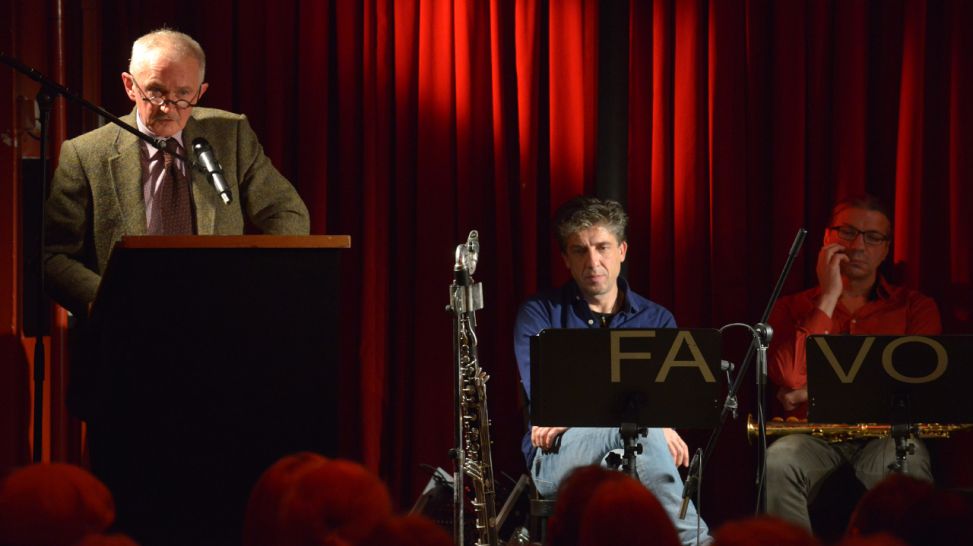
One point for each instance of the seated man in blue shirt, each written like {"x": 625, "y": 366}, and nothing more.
{"x": 591, "y": 233}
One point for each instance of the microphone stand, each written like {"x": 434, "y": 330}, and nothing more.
{"x": 761, "y": 339}
{"x": 54, "y": 89}
{"x": 49, "y": 91}
{"x": 45, "y": 103}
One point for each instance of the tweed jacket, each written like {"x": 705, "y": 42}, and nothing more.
{"x": 96, "y": 198}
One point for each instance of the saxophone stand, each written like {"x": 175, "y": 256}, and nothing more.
{"x": 465, "y": 298}
{"x": 761, "y": 333}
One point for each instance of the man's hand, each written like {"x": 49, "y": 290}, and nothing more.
{"x": 544, "y": 437}
{"x": 829, "y": 276}
{"x": 791, "y": 398}
{"x": 677, "y": 447}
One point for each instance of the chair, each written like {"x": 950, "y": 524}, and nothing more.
{"x": 540, "y": 510}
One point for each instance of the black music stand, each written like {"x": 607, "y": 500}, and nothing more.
{"x": 902, "y": 381}
{"x": 626, "y": 378}
{"x": 214, "y": 356}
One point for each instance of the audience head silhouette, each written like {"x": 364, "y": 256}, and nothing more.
{"x": 914, "y": 511}
{"x": 623, "y": 512}
{"x": 596, "y": 506}
{"x": 309, "y": 500}
{"x": 880, "y": 539}
{"x": 52, "y": 505}
{"x": 411, "y": 530}
{"x": 107, "y": 540}
{"x": 762, "y": 531}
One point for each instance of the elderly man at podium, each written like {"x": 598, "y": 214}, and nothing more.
{"x": 109, "y": 184}
{"x": 851, "y": 298}
{"x": 591, "y": 233}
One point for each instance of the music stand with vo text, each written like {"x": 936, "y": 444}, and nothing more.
{"x": 906, "y": 382}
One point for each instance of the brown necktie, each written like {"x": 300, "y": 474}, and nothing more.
{"x": 174, "y": 201}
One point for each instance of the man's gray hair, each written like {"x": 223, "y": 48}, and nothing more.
{"x": 863, "y": 201}
{"x": 173, "y": 44}
{"x": 584, "y": 212}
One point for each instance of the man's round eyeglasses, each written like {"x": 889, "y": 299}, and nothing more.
{"x": 849, "y": 233}
{"x": 159, "y": 100}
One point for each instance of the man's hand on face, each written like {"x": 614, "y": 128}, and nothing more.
{"x": 544, "y": 437}
{"x": 829, "y": 275}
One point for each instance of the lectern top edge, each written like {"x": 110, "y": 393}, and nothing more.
{"x": 235, "y": 241}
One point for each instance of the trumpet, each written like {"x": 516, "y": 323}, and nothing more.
{"x": 842, "y": 432}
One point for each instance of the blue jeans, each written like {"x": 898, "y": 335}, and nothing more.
{"x": 587, "y": 446}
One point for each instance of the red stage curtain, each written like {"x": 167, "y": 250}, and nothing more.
{"x": 407, "y": 123}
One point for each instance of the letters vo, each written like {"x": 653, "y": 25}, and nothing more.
{"x": 847, "y": 374}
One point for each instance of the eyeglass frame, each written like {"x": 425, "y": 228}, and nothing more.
{"x": 181, "y": 104}
{"x": 877, "y": 236}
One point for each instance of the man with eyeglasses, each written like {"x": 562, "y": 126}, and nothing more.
{"x": 852, "y": 297}
{"x": 109, "y": 183}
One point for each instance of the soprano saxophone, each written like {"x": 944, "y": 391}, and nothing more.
{"x": 836, "y": 432}
{"x": 473, "y": 456}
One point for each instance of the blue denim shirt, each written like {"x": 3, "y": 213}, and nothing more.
{"x": 566, "y": 308}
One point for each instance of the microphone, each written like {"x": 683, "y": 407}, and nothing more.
{"x": 212, "y": 168}
{"x": 692, "y": 483}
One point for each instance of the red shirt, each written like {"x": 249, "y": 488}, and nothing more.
{"x": 894, "y": 310}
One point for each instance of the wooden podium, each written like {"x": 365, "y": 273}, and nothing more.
{"x": 215, "y": 356}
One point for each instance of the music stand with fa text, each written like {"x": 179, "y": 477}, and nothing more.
{"x": 626, "y": 378}
{"x": 913, "y": 384}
